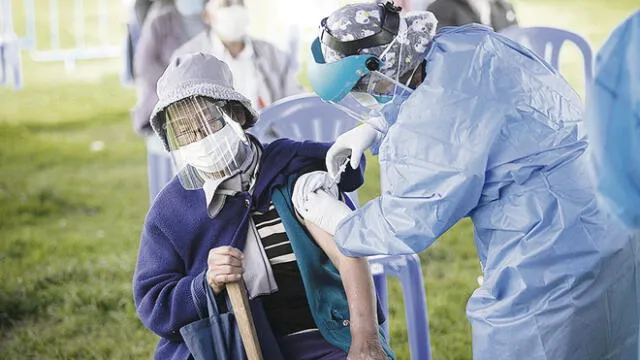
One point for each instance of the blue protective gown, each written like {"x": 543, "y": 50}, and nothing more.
{"x": 613, "y": 121}
{"x": 493, "y": 133}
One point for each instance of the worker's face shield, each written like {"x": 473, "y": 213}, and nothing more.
{"x": 370, "y": 94}
{"x": 357, "y": 82}
{"x": 205, "y": 138}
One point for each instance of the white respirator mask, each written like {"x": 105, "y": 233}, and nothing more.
{"x": 215, "y": 153}
{"x": 206, "y": 140}
{"x": 189, "y": 7}
{"x": 231, "y": 23}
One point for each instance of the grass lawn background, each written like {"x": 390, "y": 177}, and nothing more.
{"x": 70, "y": 218}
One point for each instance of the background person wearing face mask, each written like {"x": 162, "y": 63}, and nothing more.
{"x": 261, "y": 71}
{"x": 498, "y": 14}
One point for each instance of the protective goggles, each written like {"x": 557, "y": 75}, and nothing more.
{"x": 206, "y": 140}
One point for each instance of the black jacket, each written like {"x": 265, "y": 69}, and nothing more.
{"x": 459, "y": 12}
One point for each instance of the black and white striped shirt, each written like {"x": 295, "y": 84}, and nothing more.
{"x": 287, "y": 309}
{"x": 273, "y": 237}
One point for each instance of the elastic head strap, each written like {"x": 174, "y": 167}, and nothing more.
{"x": 390, "y": 23}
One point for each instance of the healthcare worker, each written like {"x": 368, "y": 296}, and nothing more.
{"x": 471, "y": 124}
{"x": 613, "y": 121}
{"x": 261, "y": 72}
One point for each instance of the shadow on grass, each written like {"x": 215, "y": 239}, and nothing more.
{"x": 59, "y": 287}
{"x": 29, "y": 208}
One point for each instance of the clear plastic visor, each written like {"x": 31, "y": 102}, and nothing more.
{"x": 379, "y": 86}
{"x": 366, "y": 99}
{"x": 206, "y": 140}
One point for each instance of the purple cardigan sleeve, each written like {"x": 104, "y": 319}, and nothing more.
{"x": 161, "y": 288}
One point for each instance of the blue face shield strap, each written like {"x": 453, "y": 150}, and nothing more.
{"x": 333, "y": 81}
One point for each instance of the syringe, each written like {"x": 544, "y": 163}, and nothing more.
{"x": 336, "y": 179}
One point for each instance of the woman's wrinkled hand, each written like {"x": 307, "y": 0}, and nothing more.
{"x": 224, "y": 266}
{"x": 369, "y": 349}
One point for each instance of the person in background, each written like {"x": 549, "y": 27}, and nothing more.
{"x": 613, "y": 119}
{"x": 261, "y": 71}
{"x": 141, "y": 8}
{"x": 228, "y": 215}
{"x": 138, "y": 13}
{"x": 498, "y": 14}
{"x": 167, "y": 26}
{"x": 468, "y": 123}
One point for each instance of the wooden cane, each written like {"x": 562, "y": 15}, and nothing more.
{"x": 240, "y": 303}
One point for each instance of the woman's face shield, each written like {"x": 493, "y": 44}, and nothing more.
{"x": 206, "y": 140}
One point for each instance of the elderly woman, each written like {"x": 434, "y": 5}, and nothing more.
{"x": 228, "y": 214}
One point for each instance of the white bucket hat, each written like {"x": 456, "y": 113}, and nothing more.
{"x": 196, "y": 74}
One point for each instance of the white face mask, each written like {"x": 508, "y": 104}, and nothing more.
{"x": 231, "y": 23}
{"x": 218, "y": 152}
{"x": 189, "y": 7}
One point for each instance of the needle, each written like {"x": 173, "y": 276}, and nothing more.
{"x": 335, "y": 180}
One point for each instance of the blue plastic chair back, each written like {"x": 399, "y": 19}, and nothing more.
{"x": 546, "y": 42}
{"x": 302, "y": 117}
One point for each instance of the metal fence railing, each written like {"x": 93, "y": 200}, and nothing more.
{"x": 58, "y": 31}
{"x": 77, "y": 26}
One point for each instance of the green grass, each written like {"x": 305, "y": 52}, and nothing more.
{"x": 70, "y": 218}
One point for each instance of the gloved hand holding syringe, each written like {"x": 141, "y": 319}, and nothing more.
{"x": 316, "y": 198}
{"x": 351, "y": 146}
{"x": 335, "y": 179}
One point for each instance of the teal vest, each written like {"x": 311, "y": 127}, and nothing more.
{"x": 322, "y": 283}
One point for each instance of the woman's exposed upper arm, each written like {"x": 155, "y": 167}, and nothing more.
{"x": 324, "y": 240}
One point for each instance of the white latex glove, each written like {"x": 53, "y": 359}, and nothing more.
{"x": 312, "y": 181}
{"x": 352, "y": 144}
{"x": 309, "y": 183}
{"x": 324, "y": 210}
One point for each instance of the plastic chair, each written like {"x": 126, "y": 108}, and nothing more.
{"x": 546, "y": 42}
{"x": 307, "y": 117}
{"x": 302, "y": 117}
{"x": 407, "y": 269}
